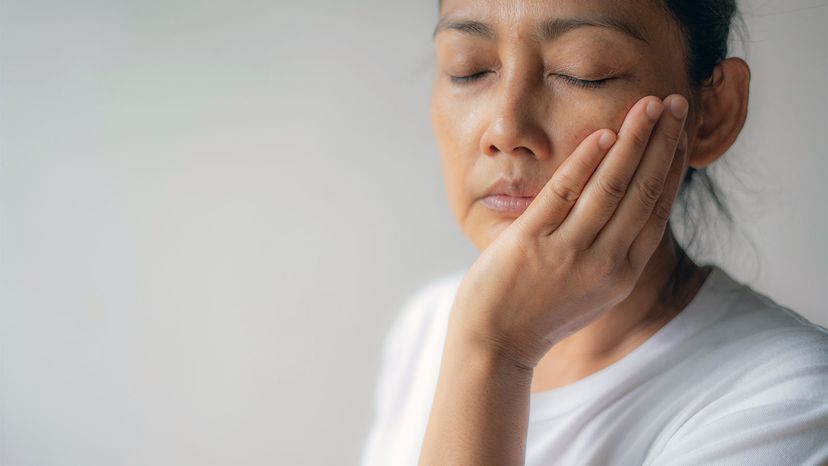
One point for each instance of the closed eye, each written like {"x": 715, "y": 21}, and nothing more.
{"x": 583, "y": 83}
{"x": 577, "y": 82}
{"x": 469, "y": 78}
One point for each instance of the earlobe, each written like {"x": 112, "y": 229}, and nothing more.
{"x": 723, "y": 109}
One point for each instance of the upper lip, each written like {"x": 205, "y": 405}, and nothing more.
{"x": 515, "y": 187}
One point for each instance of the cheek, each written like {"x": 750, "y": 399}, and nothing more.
{"x": 453, "y": 137}
{"x": 457, "y": 127}
{"x": 582, "y": 118}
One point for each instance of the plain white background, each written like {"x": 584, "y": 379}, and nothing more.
{"x": 211, "y": 211}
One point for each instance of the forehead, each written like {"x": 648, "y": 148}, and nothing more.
{"x": 643, "y": 20}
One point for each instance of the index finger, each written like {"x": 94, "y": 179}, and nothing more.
{"x": 553, "y": 203}
{"x": 608, "y": 186}
{"x": 648, "y": 182}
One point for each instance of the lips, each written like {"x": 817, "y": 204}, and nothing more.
{"x": 514, "y": 187}
{"x": 510, "y": 196}
{"x": 507, "y": 204}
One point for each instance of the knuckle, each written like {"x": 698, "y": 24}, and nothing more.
{"x": 564, "y": 189}
{"x": 639, "y": 138}
{"x": 661, "y": 212}
{"x": 569, "y": 258}
{"x": 605, "y": 269}
{"x": 649, "y": 189}
{"x": 612, "y": 273}
{"x": 625, "y": 283}
{"x": 672, "y": 138}
{"x": 612, "y": 186}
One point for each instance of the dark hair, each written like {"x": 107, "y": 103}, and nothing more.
{"x": 706, "y": 26}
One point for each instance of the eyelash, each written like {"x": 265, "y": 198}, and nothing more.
{"x": 582, "y": 83}
{"x": 467, "y": 79}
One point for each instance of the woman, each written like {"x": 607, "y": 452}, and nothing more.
{"x": 583, "y": 334}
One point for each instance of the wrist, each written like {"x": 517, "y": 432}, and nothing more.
{"x": 468, "y": 344}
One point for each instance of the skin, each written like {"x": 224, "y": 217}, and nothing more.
{"x": 573, "y": 284}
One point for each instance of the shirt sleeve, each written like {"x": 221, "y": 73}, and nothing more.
{"x": 385, "y": 390}
{"x": 400, "y": 349}
{"x": 792, "y": 432}
{"x": 776, "y": 413}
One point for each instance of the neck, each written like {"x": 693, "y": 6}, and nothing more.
{"x": 632, "y": 321}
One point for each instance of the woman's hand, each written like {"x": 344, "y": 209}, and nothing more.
{"x": 581, "y": 245}
{"x": 576, "y": 250}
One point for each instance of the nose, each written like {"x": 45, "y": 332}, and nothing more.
{"x": 515, "y": 115}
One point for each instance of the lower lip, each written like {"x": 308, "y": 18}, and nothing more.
{"x": 507, "y": 204}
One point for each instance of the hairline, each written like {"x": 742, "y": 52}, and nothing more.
{"x": 548, "y": 30}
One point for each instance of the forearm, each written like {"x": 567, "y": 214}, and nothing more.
{"x": 480, "y": 412}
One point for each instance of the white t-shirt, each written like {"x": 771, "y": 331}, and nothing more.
{"x": 734, "y": 379}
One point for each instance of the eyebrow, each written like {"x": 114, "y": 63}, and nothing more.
{"x": 547, "y": 31}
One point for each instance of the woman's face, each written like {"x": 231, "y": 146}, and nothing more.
{"x": 526, "y": 102}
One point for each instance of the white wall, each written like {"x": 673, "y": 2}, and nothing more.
{"x": 210, "y": 212}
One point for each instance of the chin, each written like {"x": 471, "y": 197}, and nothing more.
{"x": 488, "y": 233}
{"x": 483, "y": 226}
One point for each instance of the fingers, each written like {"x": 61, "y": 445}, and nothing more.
{"x": 648, "y": 183}
{"x": 649, "y": 237}
{"x": 553, "y": 203}
{"x": 608, "y": 185}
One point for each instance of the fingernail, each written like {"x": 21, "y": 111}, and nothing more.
{"x": 654, "y": 110}
{"x": 606, "y": 140}
{"x": 679, "y": 107}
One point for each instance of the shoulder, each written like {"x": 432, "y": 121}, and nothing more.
{"x": 734, "y": 317}
{"x": 761, "y": 389}
{"x": 761, "y": 343}
{"x": 771, "y": 337}
{"x": 422, "y": 310}
{"x": 407, "y": 363}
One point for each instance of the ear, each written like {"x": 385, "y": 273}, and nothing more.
{"x": 723, "y": 104}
